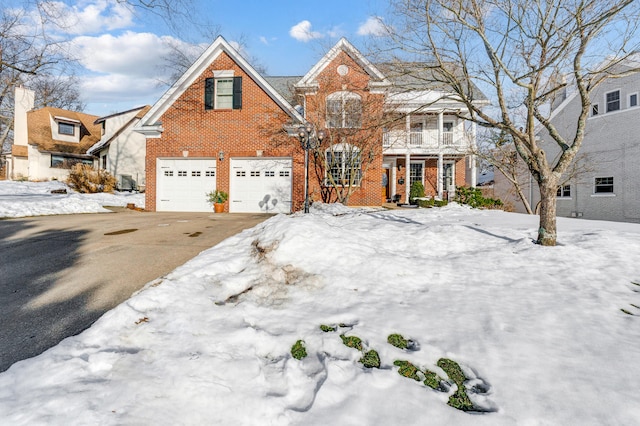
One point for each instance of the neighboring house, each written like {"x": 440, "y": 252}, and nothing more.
{"x": 48, "y": 141}
{"x": 221, "y": 125}
{"x": 602, "y": 183}
{"x": 121, "y": 150}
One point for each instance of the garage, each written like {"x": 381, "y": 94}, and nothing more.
{"x": 183, "y": 182}
{"x": 260, "y": 185}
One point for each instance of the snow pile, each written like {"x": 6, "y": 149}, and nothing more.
{"x": 20, "y": 199}
{"x": 539, "y": 332}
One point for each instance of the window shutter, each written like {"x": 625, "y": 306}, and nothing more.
{"x": 237, "y": 92}
{"x": 209, "y": 84}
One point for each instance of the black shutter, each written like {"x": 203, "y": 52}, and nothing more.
{"x": 237, "y": 92}
{"x": 209, "y": 85}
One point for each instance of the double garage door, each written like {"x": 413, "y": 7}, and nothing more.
{"x": 256, "y": 185}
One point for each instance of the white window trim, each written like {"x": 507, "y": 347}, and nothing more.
{"x": 564, "y": 197}
{"x": 216, "y": 93}
{"x": 422, "y": 162}
{"x": 629, "y": 100}
{"x": 597, "y": 105}
{"x": 603, "y": 194}
{"x": 606, "y": 104}
{"x": 343, "y": 96}
{"x": 342, "y": 147}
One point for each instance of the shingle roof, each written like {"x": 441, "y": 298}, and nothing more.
{"x": 284, "y": 86}
{"x": 40, "y": 134}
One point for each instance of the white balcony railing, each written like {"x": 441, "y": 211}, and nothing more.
{"x": 426, "y": 141}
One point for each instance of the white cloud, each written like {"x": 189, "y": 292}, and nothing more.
{"x": 373, "y": 26}
{"x": 135, "y": 54}
{"x": 302, "y": 32}
{"x": 88, "y": 17}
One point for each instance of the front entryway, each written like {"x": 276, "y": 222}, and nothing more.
{"x": 260, "y": 185}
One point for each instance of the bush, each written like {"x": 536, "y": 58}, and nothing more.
{"x": 473, "y": 197}
{"x": 298, "y": 351}
{"x": 85, "y": 179}
{"x": 416, "y": 191}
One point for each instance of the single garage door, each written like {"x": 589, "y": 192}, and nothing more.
{"x": 260, "y": 185}
{"x": 182, "y": 184}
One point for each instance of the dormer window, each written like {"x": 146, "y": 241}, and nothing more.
{"x": 66, "y": 128}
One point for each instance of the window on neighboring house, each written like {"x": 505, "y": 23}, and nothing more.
{"x": 104, "y": 162}
{"x": 613, "y": 101}
{"x": 223, "y": 93}
{"x": 64, "y": 162}
{"x": 633, "y": 100}
{"x": 564, "y": 191}
{"x": 66, "y": 128}
{"x": 603, "y": 185}
{"x": 344, "y": 165}
{"x": 344, "y": 110}
{"x": 594, "y": 109}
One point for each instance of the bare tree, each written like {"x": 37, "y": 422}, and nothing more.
{"x": 515, "y": 51}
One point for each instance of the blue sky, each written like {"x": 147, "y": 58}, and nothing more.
{"x": 121, "y": 51}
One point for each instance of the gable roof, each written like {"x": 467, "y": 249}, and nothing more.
{"x": 41, "y": 135}
{"x": 105, "y": 143}
{"x": 150, "y": 124}
{"x": 377, "y": 78}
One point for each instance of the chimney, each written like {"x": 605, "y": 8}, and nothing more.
{"x": 24, "y": 102}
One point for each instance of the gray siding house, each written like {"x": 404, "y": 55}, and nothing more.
{"x": 604, "y": 183}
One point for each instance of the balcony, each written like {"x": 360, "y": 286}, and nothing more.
{"x": 426, "y": 142}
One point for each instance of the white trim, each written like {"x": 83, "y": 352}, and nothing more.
{"x": 309, "y": 82}
{"x": 223, "y": 74}
{"x": 606, "y": 106}
{"x": 629, "y": 100}
{"x": 150, "y": 126}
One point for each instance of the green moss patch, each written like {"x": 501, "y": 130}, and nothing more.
{"x": 352, "y": 341}
{"x": 327, "y": 328}
{"x": 371, "y": 359}
{"x": 298, "y": 351}
{"x": 407, "y": 369}
{"x": 398, "y": 341}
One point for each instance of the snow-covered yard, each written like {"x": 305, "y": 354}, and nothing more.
{"x": 19, "y": 199}
{"x": 544, "y": 335}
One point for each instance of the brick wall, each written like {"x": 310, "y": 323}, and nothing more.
{"x": 238, "y": 133}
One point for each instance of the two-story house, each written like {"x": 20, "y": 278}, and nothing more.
{"x": 223, "y": 125}
{"x": 48, "y": 141}
{"x": 602, "y": 183}
{"x": 121, "y": 150}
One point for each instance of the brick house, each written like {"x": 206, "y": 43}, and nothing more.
{"x": 222, "y": 125}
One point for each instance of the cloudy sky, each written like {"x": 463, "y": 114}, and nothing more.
{"x": 121, "y": 51}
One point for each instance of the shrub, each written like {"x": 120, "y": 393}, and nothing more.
{"x": 327, "y": 328}
{"x": 85, "y": 179}
{"x": 474, "y": 198}
{"x": 216, "y": 196}
{"x": 407, "y": 369}
{"x": 416, "y": 191}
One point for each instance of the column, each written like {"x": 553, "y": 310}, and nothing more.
{"x": 440, "y": 128}
{"x": 407, "y": 170}
{"x": 440, "y": 173}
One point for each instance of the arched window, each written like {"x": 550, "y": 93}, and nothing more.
{"x": 344, "y": 165}
{"x": 344, "y": 110}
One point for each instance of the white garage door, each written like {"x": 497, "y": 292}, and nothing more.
{"x": 182, "y": 184}
{"x": 260, "y": 185}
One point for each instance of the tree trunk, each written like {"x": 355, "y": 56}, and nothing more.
{"x": 547, "y": 231}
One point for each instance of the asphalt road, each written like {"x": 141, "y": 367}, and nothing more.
{"x": 59, "y": 274}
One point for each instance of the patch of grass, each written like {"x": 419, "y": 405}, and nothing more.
{"x": 453, "y": 370}
{"x": 407, "y": 369}
{"x": 461, "y": 401}
{"x": 352, "y": 342}
{"x": 298, "y": 351}
{"x": 371, "y": 359}
{"x": 398, "y": 341}
{"x": 327, "y": 328}
{"x": 432, "y": 380}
